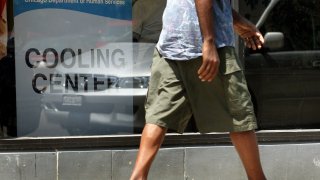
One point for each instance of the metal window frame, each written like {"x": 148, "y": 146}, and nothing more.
{"x": 132, "y": 141}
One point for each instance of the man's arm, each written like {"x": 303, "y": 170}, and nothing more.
{"x": 248, "y": 31}
{"x": 210, "y": 64}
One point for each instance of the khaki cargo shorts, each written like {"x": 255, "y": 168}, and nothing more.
{"x": 176, "y": 93}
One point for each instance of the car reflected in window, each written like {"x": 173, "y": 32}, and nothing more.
{"x": 284, "y": 77}
{"x": 108, "y": 97}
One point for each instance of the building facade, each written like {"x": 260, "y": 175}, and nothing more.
{"x": 74, "y": 76}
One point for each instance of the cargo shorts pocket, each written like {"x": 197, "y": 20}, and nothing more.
{"x": 235, "y": 86}
{"x": 229, "y": 62}
{"x": 237, "y": 94}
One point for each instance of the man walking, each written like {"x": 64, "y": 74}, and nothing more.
{"x": 195, "y": 71}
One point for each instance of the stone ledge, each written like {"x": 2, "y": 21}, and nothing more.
{"x": 132, "y": 141}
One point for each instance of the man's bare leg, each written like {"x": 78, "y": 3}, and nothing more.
{"x": 151, "y": 140}
{"x": 247, "y": 148}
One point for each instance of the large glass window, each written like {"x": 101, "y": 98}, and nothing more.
{"x": 299, "y": 22}
{"x": 82, "y": 67}
{"x": 284, "y": 75}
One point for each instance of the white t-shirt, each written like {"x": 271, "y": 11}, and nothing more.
{"x": 181, "y": 38}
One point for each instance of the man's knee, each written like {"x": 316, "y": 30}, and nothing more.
{"x": 153, "y": 131}
{"x": 242, "y": 133}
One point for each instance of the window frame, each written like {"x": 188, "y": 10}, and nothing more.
{"x": 171, "y": 140}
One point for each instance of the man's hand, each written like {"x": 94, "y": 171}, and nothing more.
{"x": 3, "y": 50}
{"x": 210, "y": 62}
{"x": 252, "y": 38}
{"x": 247, "y": 31}
{"x": 3, "y": 26}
